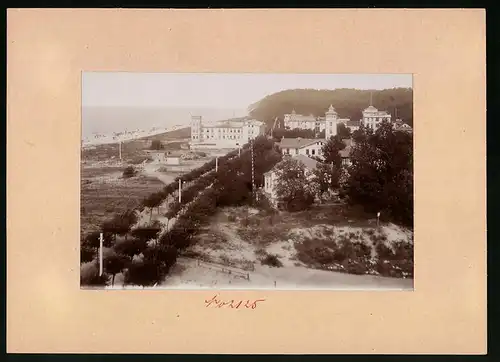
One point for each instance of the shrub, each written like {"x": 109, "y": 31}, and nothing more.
{"x": 384, "y": 252}
{"x": 272, "y": 261}
{"x": 86, "y": 254}
{"x": 144, "y": 272}
{"x": 356, "y": 267}
{"x": 114, "y": 264}
{"x": 89, "y": 275}
{"x": 131, "y": 247}
{"x": 129, "y": 172}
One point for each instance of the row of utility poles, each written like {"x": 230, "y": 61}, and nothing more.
{"x": 101, "y": 236}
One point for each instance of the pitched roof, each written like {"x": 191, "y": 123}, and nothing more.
{"x": 307, "y": 161}
{"x": 297, "y": 142}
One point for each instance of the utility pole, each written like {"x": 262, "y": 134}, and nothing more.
{"x": 216, "y": 163}
{"x": 378, "y": 218}
{"x": 253, "y": 172}
{"x": 180, "y": 187}
{"x": 120, "y": 149}
{"x": 101, "y": 239}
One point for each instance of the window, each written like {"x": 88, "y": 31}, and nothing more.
{"x": 307, "y": 151}
{"x": 296, "y": 151}
{"x": 313, "y": 151}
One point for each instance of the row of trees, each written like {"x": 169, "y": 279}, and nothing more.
{"x": 230, "y": 185}
{"x": 145, "y": 263}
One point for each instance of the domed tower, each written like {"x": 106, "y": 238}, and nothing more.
{"x": 331, "y": 118}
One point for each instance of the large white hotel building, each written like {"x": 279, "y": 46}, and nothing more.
{"x": 224, "y": 134}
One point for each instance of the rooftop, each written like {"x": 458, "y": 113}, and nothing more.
{"x": 307, "y": 161}
{"x": 298, "y": 142}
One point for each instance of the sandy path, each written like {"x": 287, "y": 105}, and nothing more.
{"x": 188, "y": 275}
{"x": 151, "y": 170}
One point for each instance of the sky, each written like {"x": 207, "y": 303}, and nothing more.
{"x": 214, "y": 90}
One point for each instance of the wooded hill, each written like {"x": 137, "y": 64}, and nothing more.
{"x": 349, "y": 103}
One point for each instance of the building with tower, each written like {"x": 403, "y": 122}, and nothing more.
{"x": 372, "y": 117}
{"x": 317, "y": 124}
{"x": 331, "y": 120}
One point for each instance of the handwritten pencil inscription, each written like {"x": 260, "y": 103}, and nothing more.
{"x": 217, "y": 302}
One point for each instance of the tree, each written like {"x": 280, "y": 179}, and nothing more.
{"x": 331, "y": 151}
{"x": 326, "y": 178}
{"x": 129, "y": 172}
{"x": 146, "y": 233}
{"x": 293, "y": 187}
{"x": 144, "y": 272}
{"x": 156, "y": 145}
{"x": 131, "y": 247}
{"x": 92, "y": 240}
{"x": 86, "y": 254}
{"x": 163, "y": 256}
{"x": 381, "y": 174}
{"x": 89, "y": 275}
{"x": 121, "y": 224}
{"x": 152, "y": 201}
{"x": 343, "y": 131}
{"x": 321, "y": 134}
{"x": 114, "y": 264}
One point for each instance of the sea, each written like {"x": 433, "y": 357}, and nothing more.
{"x": 108, "y": 120}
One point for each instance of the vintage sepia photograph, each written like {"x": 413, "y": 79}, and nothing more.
{"x": 246, "y": 181}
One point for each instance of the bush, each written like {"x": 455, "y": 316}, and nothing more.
{"x": 356, "y": 267}
{"x": 131, "y": 247}
{"x": 86, "y": 254}
{"x": 129, "y": 172}
{"x": 272, "y": 261}
{"x": 89, "y": 275}
{"x": 145, "y": 273}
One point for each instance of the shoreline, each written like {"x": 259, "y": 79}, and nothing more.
{"x": 105, "y": 139}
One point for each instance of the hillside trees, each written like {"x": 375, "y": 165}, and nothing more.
{"x": 349, "y": 103}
